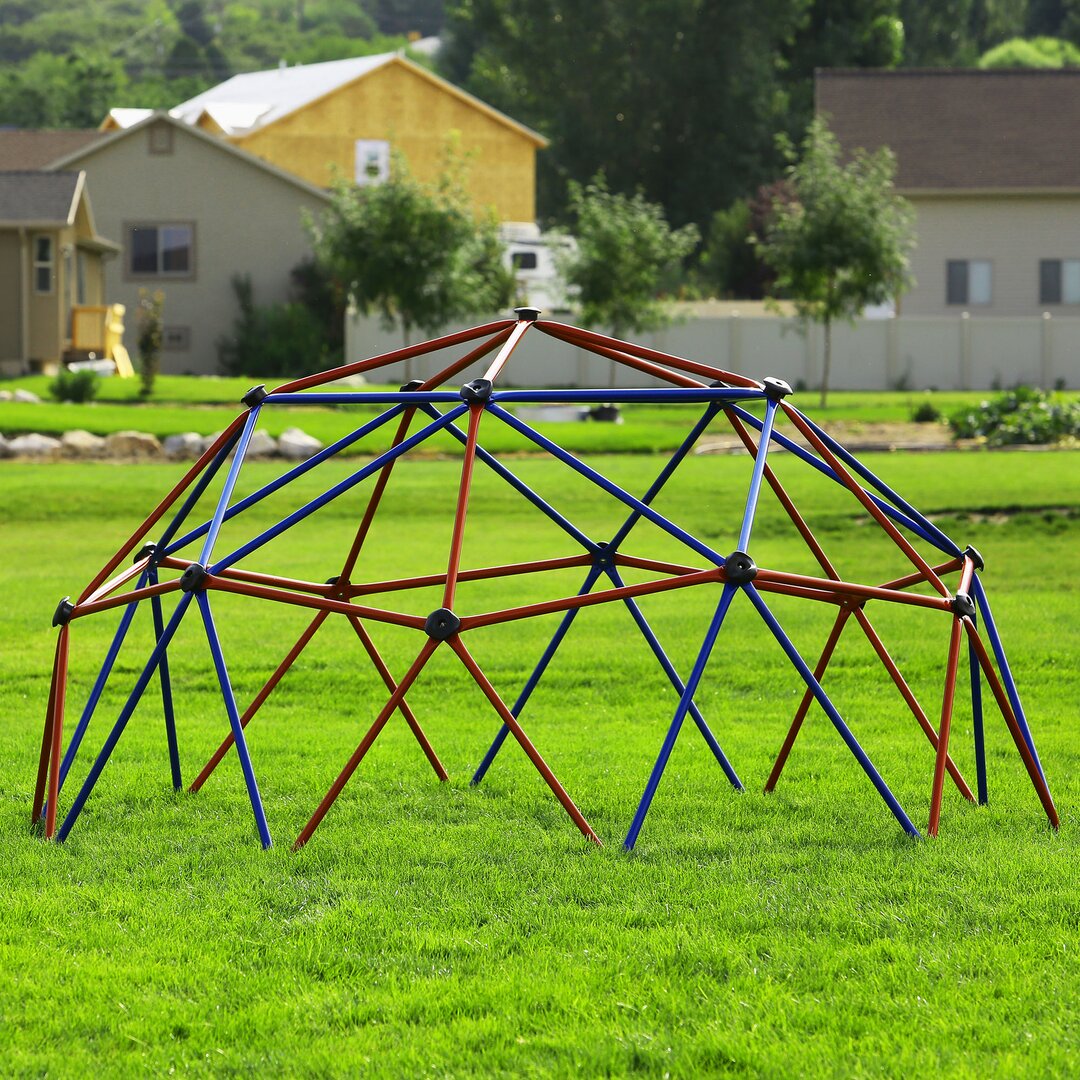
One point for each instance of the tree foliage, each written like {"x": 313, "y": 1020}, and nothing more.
{"x": 842, "y": 241}
{"x": 624, "y": 248}
{"x": 1040, "y": 52}
{"x": 412, "y": 252}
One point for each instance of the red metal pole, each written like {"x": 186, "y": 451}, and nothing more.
{"x": 458, "y": 535}
{"x": 946, "y": 720}
{"x": 864, "y": 592}
{"x": 365, "y": 744}
{"x": 57, "y": 733}
{"x": 511, "y": 343}
{"x": 533, "y": 754}
{"x": 1010, "y": 719}
{"x": 407, "y": 353}
{"x": 46, "y": 738}
{"x": 405, "y": 708}
{"x": 93, "y": 607}
{"x": 804, "y": 705}
{"x": 260, "y": 697}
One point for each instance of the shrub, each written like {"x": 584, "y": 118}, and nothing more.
{"x": 1024, "y": 416}
{"x": 77, "y": 386}
{"x": 149, "y": 337}
{"x": 926, "y": 412}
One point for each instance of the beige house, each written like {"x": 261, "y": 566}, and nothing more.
{"x": 52, "y": 268}
{"x": 990, "y": 161}
{"x": 191, "y": 211}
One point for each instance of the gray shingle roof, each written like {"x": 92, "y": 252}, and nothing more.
{"x": 38, "y": 149}
{"x": 38, "y": 197}
{"x": 953, "y": 129}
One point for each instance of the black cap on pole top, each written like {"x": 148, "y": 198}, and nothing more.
{"x": 527, "y": 314}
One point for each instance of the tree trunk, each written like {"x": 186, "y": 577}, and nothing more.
{"x": 827, "y": 362}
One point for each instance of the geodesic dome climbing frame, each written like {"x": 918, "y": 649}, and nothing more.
{"x": 185, "y": 568}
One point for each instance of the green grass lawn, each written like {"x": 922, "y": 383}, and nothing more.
{"x": 438, "y": 929}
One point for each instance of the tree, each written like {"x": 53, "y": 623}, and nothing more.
{"x": 841, "y": 243}
{"x": 1039, "y": 52}
{"x": 624, "y": 248}
{"x": 412, "y": 252}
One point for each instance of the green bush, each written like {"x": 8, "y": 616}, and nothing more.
{"x": 1024, "y": 416}
{"x": 926, "y": 412}
{"x": 77, "y": 386}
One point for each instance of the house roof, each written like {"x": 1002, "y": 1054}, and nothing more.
{"x": 33, "y": 197}
{"x": 247, "y": 102}
{"x": 36, "y": 149}
{"x": 107, "y": 138}
{"x": 1006, "y": 129}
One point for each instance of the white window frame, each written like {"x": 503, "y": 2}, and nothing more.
{"x": 976, "y": 272}
{"x": 48, "y": 264}
{"x": 371, "y": 163}
{"x": 160, "y": 273}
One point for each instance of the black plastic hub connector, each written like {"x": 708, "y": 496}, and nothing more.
{"x": 604, "y": 557}
{"x": 333, "y": 580}
{"x": 63, "y": 612}
{"x": 975, "y": 557}
{"x": 963, "y": 606}
{"x": 144, "y": 552}
{"x": 411, "y": 386}
{"x": 775, "y": 389}
{"x": 441, "y": 624}
{"x": 193, "y": 579}
{"x": 739, "y": 568}
{"x": 476, "y": 392}
{"x": 527, "y": 314}
{"x": 254, "y": 396}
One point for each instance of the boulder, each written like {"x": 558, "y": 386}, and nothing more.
{"x": 261, "y": 445}
{"x": 6, "y": 395}
{"x": 185, "y": 447}
{"x": 133, "y": 444}
{"x": 28, "y": 397}
{"x": 34, "y": 445}
{"x": 82, "y": 444}
{"x": 5, "y": 448}
{"x": 297, "y": 445}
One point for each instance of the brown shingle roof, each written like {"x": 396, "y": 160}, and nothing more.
{"x": 38, "y": 197}
{"x": 39, "y": 149}
{"x": 952, "y": 129}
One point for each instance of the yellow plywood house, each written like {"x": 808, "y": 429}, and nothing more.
{"x": 346, "y": 116}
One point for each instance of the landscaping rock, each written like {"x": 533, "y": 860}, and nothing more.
{"x": 184, "y": 447}
{"x": 28, "y": 397}
{"x": 133, "y": 444}
{"x": 6, "y": 395}
{"x": 261, "y": 445}
{"x": 82, "y": 444}
{"x": 5, "y": 448}
{"x": 34, "y": 445}
{"x": 297, "y": 445}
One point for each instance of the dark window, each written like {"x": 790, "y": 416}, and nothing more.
{"x": 1049, "y": 281}
{"x": 161, "y": 250}
{"x": 43, "y": 264}
{"x": 956, "y": 281}
{"x": 523, "y": 260}
{"x": 968, "y": 281}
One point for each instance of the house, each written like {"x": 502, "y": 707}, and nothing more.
{"x": 53, "y": 286}
{"x": 190, "y": 212}
{"x": 345, "y": 117}
{"x": 991, "y": 164}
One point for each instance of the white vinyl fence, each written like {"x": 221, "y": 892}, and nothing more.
{"x": 906, "y": 352}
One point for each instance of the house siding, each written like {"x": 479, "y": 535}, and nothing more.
{"x": 247, "y": 221}
{"x": 417, "y": 117}
{"x": 11, "y": 283}
{"x": 1013, "y": 232}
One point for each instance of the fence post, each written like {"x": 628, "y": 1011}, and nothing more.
{"x": 1046, "y": 351}
{"x": 734, "y": 329}
{"x": 965, "y": 350}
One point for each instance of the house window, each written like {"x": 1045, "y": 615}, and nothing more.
{"x": 968, "y": 281}
{"x": 161, "y": 250}
{"x": 160, "y": 138}
{"x": 1059, "y": 281}
{"x": 372, "y": 161}
{"x": 523, "y": 260}
{"x": 43, "y": 264}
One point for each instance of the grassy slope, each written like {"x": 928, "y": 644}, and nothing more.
{"x": 454, "y": 931}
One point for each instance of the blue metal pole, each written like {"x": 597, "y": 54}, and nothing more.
{"x": 520, "y": 486}
{"x": 122, "y": 719}
{"x": 234, "y": 719}
{"x": 534, "y": 678}
{"x": 683, "y": 394}
{"x": 349, "y": 482}
{"x": 830, "y": 710}
{"x": 99, "y": 686}
{"x": 977, "y": 722}
{"x": 755, "y": 478}
{"x": 285, "y": 478}
{"x": 810, "y": 459}
{"x": 680, "y": 713}
{"x": 603, "y": 482}
{"x": 1003, "y": 667}
{"x": 676, "y": 682}
{"x": 166, "y": 691}
{"x": 230, "y": 484}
